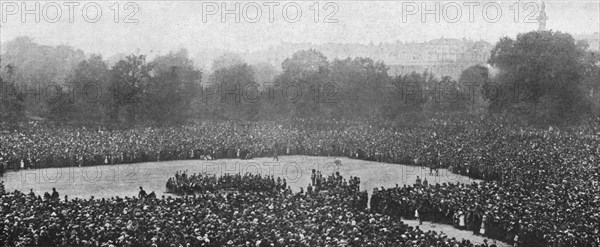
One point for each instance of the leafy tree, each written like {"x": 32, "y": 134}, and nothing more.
{"x": 128, "y": 80}
{"x": 298, "y": 85}
{"x": 265, "y": 73}
{"x": 541, "y": 77}
{"x": 360, "y": 83}
{"x": 452, "y": 96}
{"x": 408, "y": 91}
{"x": 477, "y": 84}
{"x": 60, "y": 106}
{"x": 227, "y": 60}
{"x": 11, "y": 101}
{"x": 236, "y": 92}
{"x": 39, "y": 68}
{"x": 89, "y": 83}
{"x": 305, "y": 63}
{"x": 591, "y": 81}
{"x": 175, "y": 83}
{"x": 36, "y": 63}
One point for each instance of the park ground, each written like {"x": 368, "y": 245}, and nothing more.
{"x": 124, "y": 180}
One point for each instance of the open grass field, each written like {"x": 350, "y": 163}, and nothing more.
{"x": 125, "y": 180}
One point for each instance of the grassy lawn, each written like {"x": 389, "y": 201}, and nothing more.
{"x": 125, "y": 180}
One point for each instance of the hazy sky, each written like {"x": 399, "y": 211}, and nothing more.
{"x": 165, "y": 25}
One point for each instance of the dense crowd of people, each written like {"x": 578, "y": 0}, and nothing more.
{"x": 495, "y": 212}
{"x": 184, "y": 184}
{"x": 541, "y": 185}
{"x": 334, "y": 182}
{"x": 40, "y": 146}
{"x": 211, "y": 218}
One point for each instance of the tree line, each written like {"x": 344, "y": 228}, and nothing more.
{"x": 542, "y": 77}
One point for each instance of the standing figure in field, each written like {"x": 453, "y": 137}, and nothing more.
{"x": 437, "y": 167}
{"x": 434, "y": 166}
{"x": 338, "y": 164}
{"x": 431, "y": 168}
{"x": 275, "y": 152}
{"x": 142, "y": 194}
{"x": 418, "y": 215}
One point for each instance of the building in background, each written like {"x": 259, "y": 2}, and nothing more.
{"x": 442, "y": 57}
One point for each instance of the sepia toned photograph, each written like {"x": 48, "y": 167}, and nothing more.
{"x": 191, "y": 123}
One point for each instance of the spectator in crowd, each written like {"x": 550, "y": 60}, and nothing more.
{"x": 210, "y": 218}
{"x": 55, "y": 196}
{"x": 533, "y": 179}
